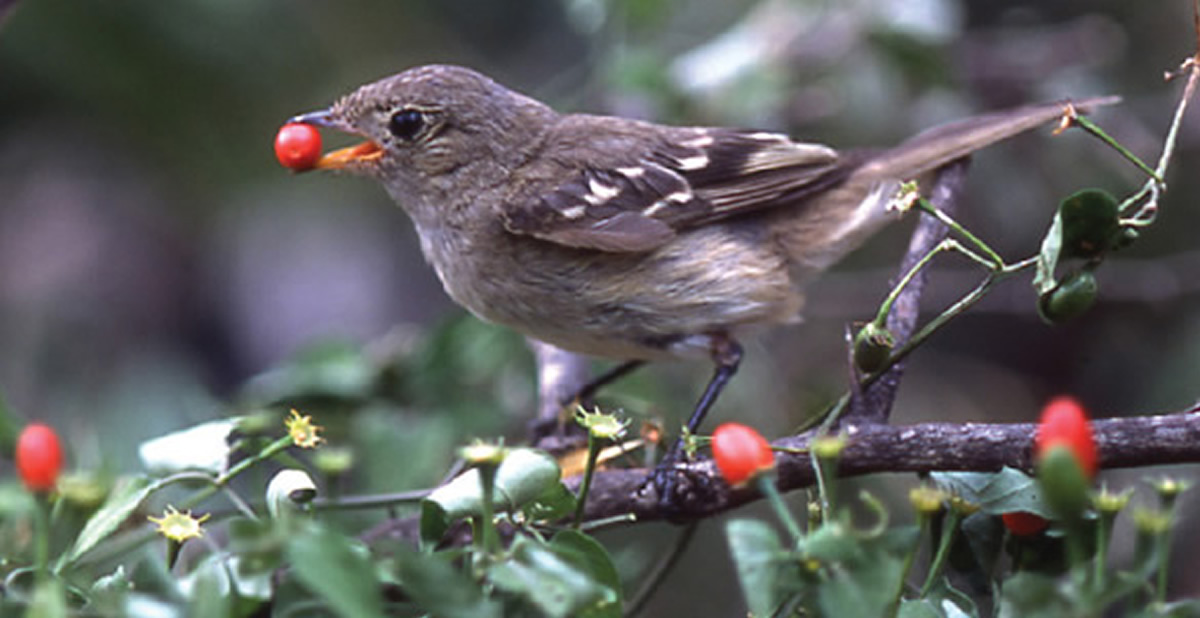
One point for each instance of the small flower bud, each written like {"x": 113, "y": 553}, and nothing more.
{"x": 1108, "y": 503}
{"x": 927, "y": 500}
{"x": 601, "y": 425}
{"x": 481, "y": 453}
{"x": 828, "y": 446}
{"x": 334, "y": 461}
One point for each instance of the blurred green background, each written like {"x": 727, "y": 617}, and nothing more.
{"x": 159, "y": 269}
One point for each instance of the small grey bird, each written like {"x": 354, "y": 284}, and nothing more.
{"x": 620, "y": 238}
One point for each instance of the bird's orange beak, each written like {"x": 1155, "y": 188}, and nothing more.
{"x": 341, "y": 158}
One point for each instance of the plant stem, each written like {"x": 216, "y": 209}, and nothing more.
{"x": 928, "y": 208}
{"x": 923, "y": 523}
{"x": 486, "y": 539}
{"x": 766, "y": 485}
{"x": 41, "y": 532}
{"x": 950, "y": 526}
{"x": 588, "y": 471}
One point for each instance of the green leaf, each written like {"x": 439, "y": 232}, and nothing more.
{"x": 551, "y": 583}
{"x": 589, "y": 556}
{"x": 949, "y": 600}
{"x": 1047, "y": 261}
{"x": 1031, "y": 595}
{"x": 125, "y": 497}
{"x": 440, "y": 587}
{"x": 107, "y": 594}
{"x": 555, "y": 503}
{"x": 338, "y": 569}
{"x": 832, "y": 542}
{"x": 1070, "y": 298}
{"x": 866, "y": 583}
{"x": 759, "y": 558}
{"x": 524, "y": 476}
{"x": 1085, "y": 225}
{"x": 919, "y": 608}
{"x": 1090, "y": 223}
{"x": 1180, "y": 609}
{"x": 996, "y": 492}
{"x": 208, "y": 597}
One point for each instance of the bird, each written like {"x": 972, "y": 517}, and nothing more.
{"x": 620, "y": 238}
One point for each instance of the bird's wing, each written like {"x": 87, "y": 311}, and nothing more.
{"x": 627, "y": 192}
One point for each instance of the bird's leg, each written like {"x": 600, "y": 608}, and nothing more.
{"x": 726, "y": 355}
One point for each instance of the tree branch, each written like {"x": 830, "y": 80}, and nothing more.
{"x": 873, "y": 448}
{"x": 874, "y": 404}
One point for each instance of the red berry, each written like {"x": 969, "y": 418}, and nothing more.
{"x": 1064, "y": 422}
{"x": 740, "y": 452}
{"x": 298, "y": 146}
{"x": 39, "y": 457}
{"x": 1021, "y": 523}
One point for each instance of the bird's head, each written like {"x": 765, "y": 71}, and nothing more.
{"x": 431, "y": 123}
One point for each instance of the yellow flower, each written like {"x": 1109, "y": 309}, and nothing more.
{"x": 601, "y": 425}
{"x": 303, "y": 431}
{"x": 179, "y": 526}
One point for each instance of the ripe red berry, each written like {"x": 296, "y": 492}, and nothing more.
{"x": 740, "y": 452}
{"x": 1021, "y": 523}
{"x": 1064, "y": 422}
{"x": 298, "y": 146}
{"x": 39, "y": 457}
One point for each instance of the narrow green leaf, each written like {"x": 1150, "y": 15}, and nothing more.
{"x": 129, "y": 492}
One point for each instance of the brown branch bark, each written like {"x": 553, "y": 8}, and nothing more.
{"x": 873, "y": 448}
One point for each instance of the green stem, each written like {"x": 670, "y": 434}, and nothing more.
{"x": 372, "y": 501}
{"x": 886, "y": 306}
{"x": 486, "y": 539}
{"x": 41, "y": 531}
{"x": 588, "y": 471}
{"x": 221, "y": 481}
{"x": 766, "y": 485}
{"x": 1093, "y": 129}
{"x": 911, "y": 556}
{"x": 825, "y": 487}
{"x": 943, "y": 552}
{"x": 1104, "y": 525}
{"x": 1164, "y": 554}
{"x": 928, "y": 208}
{"x": 959, "y": 307}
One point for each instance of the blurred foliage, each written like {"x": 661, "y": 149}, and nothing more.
{"x": 158, "y": 270}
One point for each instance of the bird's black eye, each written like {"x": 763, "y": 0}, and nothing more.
{"x": 406, "y": 123}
